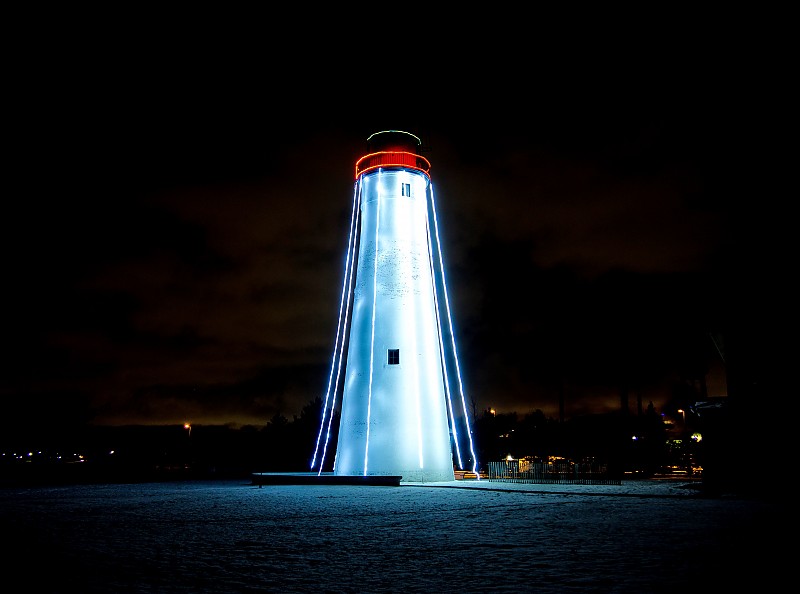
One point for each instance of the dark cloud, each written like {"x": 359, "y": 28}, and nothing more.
{"x": 174, "y": 243}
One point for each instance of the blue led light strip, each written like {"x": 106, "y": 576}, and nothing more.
{"x": 374, "y": 307}
{"x": 409, "y": 223}
{"x": 343, "y": 316}
{"x": 348, "y": 314}
{"x": 441, "y": 345}
{"x": 453, "y": 340}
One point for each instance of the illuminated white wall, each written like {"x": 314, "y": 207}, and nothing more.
{"x": 394, "y": 417}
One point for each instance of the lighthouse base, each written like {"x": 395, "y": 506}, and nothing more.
{"x": 326, "y": 478}
{"x": 427, "y": 476}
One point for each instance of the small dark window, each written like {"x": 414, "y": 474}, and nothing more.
{"x": 394, "y": 356}
{"x": 406, "y": 189}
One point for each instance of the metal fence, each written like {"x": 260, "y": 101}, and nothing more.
{"x": 563, "y": 472}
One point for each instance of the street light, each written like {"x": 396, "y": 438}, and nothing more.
{"x": 683, "y": 414}
{"x": 189, "y": 427}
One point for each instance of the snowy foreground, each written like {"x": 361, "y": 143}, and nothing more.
{"x": 461, "y": 536}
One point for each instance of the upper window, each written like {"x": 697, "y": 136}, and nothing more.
{"x": 406, "y": 189}
{"x": 394, "y": 356}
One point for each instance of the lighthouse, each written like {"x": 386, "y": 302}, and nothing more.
{"x": 395, "y": 363}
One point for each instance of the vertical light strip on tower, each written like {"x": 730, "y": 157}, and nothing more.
{"x": 372, "y": 329}
{"x": 417, "y": 376}
{"x": 453, "y": 339}
{"x": 340, "y": 333}
{"x": 453, "y": 424}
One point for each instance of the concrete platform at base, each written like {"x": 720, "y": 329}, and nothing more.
{"x": 326, "y": 478}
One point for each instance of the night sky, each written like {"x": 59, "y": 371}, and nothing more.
{"x": 173, "y": 243}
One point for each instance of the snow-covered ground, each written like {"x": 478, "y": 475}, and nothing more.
{"x": 462, "y": 536}
{"x": 661, "y": 487}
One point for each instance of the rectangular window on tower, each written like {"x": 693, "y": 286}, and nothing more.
{"x": 394, "y": 356}
{"x": 406, "y": 189}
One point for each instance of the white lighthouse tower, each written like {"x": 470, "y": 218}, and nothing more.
{"x": 403, "y": 410}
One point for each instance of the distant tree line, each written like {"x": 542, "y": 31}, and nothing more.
{"x": 621, "y": 441}
{"x": 617, "y": 439}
